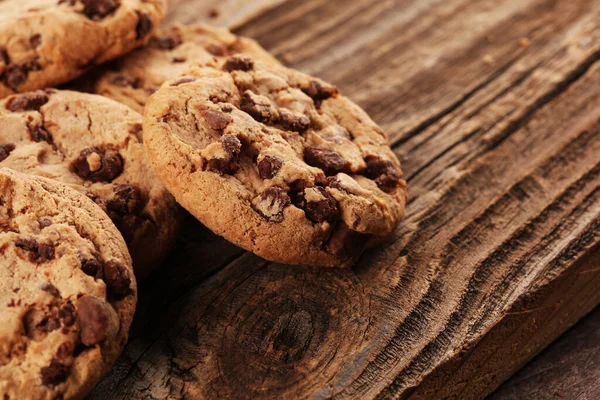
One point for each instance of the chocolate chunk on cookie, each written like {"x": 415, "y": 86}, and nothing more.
{"x": 98, "y": 165}
{"x": 172, "y": 52}
{"x": 94, "y": 320}
{"x": 95, "y": 145}
{"x": 61, "y": 331}
{"x": 41, "y": 40}
{"x": 276, "y": 161}
{"x": 28, "y": 101}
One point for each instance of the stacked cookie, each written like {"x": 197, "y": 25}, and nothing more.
{"x": 276, "y": 161}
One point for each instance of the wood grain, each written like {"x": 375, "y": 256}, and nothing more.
{"x": 225, "y": 13}
{"x": 569, "y": 369}
{"x": 494, "y": 108}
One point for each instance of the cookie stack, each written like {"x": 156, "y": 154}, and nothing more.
{"x": 276, "y": 161}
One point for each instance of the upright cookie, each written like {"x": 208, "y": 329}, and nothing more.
{"x": 275, "y": 161}
{"x": 67, "y": 290}
{"x": 169, "y": 55}
{"x": 94, "y": 144}
{"x": 48, "y": 42}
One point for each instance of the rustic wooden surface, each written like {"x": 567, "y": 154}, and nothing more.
{"x": 568, "y": 369}
{"x": 494, "y": 109}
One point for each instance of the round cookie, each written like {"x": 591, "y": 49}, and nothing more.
{"x": 67, "y": 290}
{"x": 93, "y": 144}
{"x": 169, "y": 54}
{"x": 275, "y": 161}
{"x": 48, "y": 42}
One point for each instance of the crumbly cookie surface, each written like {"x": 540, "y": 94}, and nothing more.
{"x": 67, "y": 290}
{"x": 275, "y": 161}
{"x": 93, "y": 144}
{"x": 44, "y": 43}
{"x": 169, "y": 54}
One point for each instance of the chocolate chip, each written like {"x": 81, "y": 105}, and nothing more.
{"x": 45, "y": 222}
{"x": 318, "y": 92}
{"x": 229, "y": 165}
{"x": 216, "y": 120}
{"x": 260, "y": 111}
{"x": 384, "y": 172}
{"x": 217, "y": 50}
{"x": 90, "y": 266}
{"x": 166, "y": 42}
{"x": 5, "y": 150}
{"x": 65, "y": 350}
{"x": 137, "y": 130}
{"x": 98, "y": 165}
{"x": 328, "y": 160}
{"x": 124, "y": 208}
{"x": 181, "y": 81}
{"x": 178, "y": 59}
{"x": 35, "y": 40}
{"x": 144, "y": 25}
{"x": 293, "y": 122}
{"x": 271, "y": 203}
{"x": 231, "y": 144}
{"x": 40, "y": 134}
{"x": 54, "y": 374}
{"x": 4, "y": 58}
{"x": 238, "y": 63}
{"x": 126, "y": 199}
{"x": 67, "y": 314}
{"x": 269, "y": 166}
{"x": 96, "y": 9}
{"x": 334, "y": 182}
{"x": 117, "y": 279}
{"x": 28, "y": 101}
{"x": 93, "y": 320}
{"x": 50, "y": 288}
{"x": 38, "y": 252}
{"x": 37, "y": 324}
{"x": 318, "y": 205}
{"x": 16, "y": 74}
{"x": 346, "y": 243}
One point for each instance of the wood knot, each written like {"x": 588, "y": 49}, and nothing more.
{"x": 273, "y": 332}
{"x": 295, "y": 333}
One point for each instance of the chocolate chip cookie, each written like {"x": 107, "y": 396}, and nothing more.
{"x": 67, "y": 290}
{"x": 93, "y": 144}
{"x": 275, "y": 161}
{"x": 168, "y": 55}
{"x": 47, "y": 42}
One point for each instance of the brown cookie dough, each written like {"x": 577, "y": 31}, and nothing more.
{"x": 275, "y": 161}
{"x": 48, "y": 42}
{"x": 67, "y": 290}
{"x": 169, "y": 54}
{"x": 93, "y": 144}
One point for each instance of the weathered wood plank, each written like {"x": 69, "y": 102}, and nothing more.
{"x": 568, "y": 369}
{"x": 495, "y": 109}
{"x": 227, "y": 13}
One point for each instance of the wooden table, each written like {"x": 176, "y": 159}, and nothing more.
{"x": 568, "y": 369}
{"x": 494, "y": 109}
